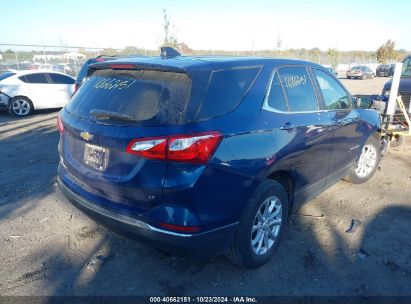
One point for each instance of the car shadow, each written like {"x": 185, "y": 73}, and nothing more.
{"x": 115, "y": 266}
{"x": 28, "y": 156}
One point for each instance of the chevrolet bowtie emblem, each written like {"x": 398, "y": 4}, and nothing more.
{"x": 86, "y": 136}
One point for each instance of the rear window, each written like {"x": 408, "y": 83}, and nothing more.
{"x": 6, "y": 75}
{"x": 143, "y": 96}
{"x": 60, "y": 79}
{"x": 298, "y": 89}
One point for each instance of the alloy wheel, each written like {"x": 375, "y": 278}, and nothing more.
{"x": 367, "y": 161}
{"x": 266, "y": 225}
{"x": 20, "y": 107}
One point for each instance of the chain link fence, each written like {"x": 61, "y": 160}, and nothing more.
{"x": 69, "y": 60}
{"x": 65, "y": 60}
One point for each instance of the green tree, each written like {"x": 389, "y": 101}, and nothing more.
{"x": 386, "y": 51}
{"x": 333, "y": 54}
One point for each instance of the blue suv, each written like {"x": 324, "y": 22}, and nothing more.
{"x": 209, "y": 155}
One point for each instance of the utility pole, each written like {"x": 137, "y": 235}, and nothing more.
{"x": 17, "y": 61}
{"x": 44, "y": 51}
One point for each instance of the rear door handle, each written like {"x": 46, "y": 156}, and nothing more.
{"x": 287, "y": 126}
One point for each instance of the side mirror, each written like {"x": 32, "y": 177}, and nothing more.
{"x": 362, "y": 102}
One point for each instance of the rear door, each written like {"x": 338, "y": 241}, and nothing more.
{"x": 111, "y": 109}
{"x": 300, "y": 130}
{"x": 61, "y": 87}
{"x": 36, "y": 88}
{"x": 346, "y": 123}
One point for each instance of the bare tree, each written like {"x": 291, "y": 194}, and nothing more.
{"x": 170, "y": 38}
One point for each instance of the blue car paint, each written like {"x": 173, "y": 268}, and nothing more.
{"x": 317, "y": 152}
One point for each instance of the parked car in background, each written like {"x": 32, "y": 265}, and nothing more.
{"x": 391, "y": 70}
{"x": 209, "y": 155}
{"x": 385, "y": 70}
{"x": 360, "y": 72}
{"x": 404, "y": 88}
{"x": 21, "y": 92}
{"x": 382, "y": 70}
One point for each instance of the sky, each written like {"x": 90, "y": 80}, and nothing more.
{"x": 209, "y": 24}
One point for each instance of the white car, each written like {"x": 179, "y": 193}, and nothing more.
{"x": 22, "y": 92}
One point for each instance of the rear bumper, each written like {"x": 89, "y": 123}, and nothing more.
{"x": 355, "y": 75}
{"x": 202, "y": 244}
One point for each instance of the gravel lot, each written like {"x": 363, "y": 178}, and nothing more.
{"x": 50, "y": 248}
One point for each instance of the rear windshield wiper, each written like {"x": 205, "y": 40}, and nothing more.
{"x": 103, "y": 115}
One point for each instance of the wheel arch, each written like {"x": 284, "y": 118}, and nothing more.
{"x": 286, "y": 180}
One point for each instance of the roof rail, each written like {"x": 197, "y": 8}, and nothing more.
{"x": 168, "y": 52}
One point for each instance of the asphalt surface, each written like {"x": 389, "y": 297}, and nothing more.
{"x": 50, "y": 248}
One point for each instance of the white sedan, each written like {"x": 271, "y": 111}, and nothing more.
{"x": 22, "y": 92}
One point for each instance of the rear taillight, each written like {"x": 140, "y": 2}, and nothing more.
{"x": 60, "y": 125}
{"x": 154, "y": 148}
{"x": 194, "y": 148}
{"x": 76, "y": 87}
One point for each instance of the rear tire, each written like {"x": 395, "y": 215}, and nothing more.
{"x": 21, "y": 106}
{"x": 261, "y": 227}
{"x": 367, "y": 164}
{"x": 363, "y": 77}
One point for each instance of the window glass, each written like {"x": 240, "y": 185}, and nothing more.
{"x": 146, "y": 97}
{"x": 298, "y": 89}
{"x": 276, "y": 98}
{"x": 406, "y": 67}
{"x": 60, "y": 79}
{"x": 226, "y": 90}
{"x": 34, "y": 78}
{"x": 335, "y": 97}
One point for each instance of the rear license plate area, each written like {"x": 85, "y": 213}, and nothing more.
{"x": 96, "y": 157}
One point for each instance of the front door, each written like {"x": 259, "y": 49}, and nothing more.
{"x": 346, "y": 122}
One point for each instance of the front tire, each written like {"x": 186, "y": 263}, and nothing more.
{"x": 261, "y": 227}
{"x": 367, "y": 164}
{"x": 21, "y": 106}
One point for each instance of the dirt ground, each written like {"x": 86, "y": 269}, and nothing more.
{"x": 50, "y": 248}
